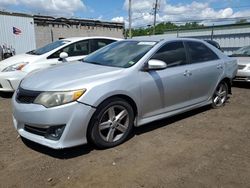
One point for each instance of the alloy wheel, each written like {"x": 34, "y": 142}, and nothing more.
{"x": 113, "y": 123}
{"x": 220, "y": 95}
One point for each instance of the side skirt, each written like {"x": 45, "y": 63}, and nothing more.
{"x": 140, "y": 122}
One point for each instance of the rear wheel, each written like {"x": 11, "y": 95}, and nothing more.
{"x": 111, "y": 123}
{"x": 220, "y": 95}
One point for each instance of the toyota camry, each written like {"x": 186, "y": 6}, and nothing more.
{"x": 124, "y": 85}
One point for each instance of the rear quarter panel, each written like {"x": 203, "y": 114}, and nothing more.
{"x": 231, "y": 67}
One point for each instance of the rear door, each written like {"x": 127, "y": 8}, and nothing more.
{"x": 204, "y": 71}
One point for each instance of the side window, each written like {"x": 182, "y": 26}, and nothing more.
{"x": 99, "y": 43}
{"x": 75, "y": 49}
{"x": 172, "y": 53}
{"x": 200, "y": 52}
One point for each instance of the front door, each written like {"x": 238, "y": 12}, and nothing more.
{"x": 169, "y": 89}
{"x": 75, "y": 51}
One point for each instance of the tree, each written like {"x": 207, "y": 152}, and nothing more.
{"x": 241, "y": 21}
{"x": 161, "y": 28}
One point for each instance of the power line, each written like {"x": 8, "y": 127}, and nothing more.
{"x": 233, "y": 7}
{"x": 215, "y": 8}
{"x": 209, "y": 19}
{"x": 189, "y": 20}
{"x": 199, "y": 20}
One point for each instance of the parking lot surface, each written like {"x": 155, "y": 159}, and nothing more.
{"x": 201, "y": 148}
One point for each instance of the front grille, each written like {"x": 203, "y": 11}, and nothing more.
{"x": 26, "y": 96}
{"x": 36, "y": 130}
{"x": 240, "y": 67}
{"x": 242, "y": 78}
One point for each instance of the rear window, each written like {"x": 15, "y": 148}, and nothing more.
{"x": 199, "y": 52}
{"x": 96, "y": 44}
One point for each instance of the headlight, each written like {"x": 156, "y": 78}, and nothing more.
{"x": 51, "y": 99}
{"x": 18, "y": 66}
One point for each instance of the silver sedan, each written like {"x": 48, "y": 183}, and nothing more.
{"x": 123, "y": 85}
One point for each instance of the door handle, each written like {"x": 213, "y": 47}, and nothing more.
{"x": 187, "y": 73}
{"x": 219, "y": 67}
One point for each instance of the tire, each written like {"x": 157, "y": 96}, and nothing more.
{"x": 111, "y": 124}
{"x": 220, "y": 95}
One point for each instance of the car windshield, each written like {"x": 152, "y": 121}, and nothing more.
{"x": 48, "y": 47}
{"x": 120, "y": 54}
{"x": 244, "y": 51}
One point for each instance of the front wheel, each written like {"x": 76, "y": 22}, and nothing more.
{"x": 220, "y": 95}
{"x": 111, "y": 123}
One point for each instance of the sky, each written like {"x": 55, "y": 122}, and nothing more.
{"x": 177, "y": 11}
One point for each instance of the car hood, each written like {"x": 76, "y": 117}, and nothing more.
{"x": 70, "y": 76}
{"x": 243, "y": 60}
{"x": 17, "y": 59}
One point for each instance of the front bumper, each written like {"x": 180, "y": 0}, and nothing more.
{"x": 9, "y": 81}
{"x": 75, "y": 116}
{"x": 243, "y": 75}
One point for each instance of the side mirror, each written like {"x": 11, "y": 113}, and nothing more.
{"x": 63, "y": 56}
{"x": 154, "y": 64}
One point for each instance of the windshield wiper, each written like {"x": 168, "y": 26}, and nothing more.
{"x": 32, "y": 52}
{"x": 92, "y": 62}
{"x": 239, "y": 55}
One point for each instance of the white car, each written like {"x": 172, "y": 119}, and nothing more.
{"x": 243, "y": 57}
{"x": 14, "y": 69}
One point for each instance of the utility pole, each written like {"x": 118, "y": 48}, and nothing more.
{"x": 129, "y": 19}
{"x": 212, "y": 33}
{"x": 155, "y": 11}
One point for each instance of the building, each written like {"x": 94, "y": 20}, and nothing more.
{"x": 230, "y": 37}
{"x": 20, "y": 32}
{"x": 17, "y": 34}
{"x": 49, "y": 29}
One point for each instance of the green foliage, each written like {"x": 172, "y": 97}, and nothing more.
{"x": 162, "y": 27}
{"x": 241, "y": 21}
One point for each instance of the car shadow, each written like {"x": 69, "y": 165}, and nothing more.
{"x": 168, "y": 121}
{"x": 245, "y": 85}
{"x": 6, "y": 95}
{"x": 86, "y": 149}
{"x": 67, "y": 153}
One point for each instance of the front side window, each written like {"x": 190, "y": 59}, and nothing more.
{"x": 199, "y": 52}
{"x": 172, "y": 53}
{"x": 75, "y": 49}
{"x": 48, "y": 47}
{"x": 120, "y": 54}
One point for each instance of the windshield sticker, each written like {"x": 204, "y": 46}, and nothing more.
{"x": 146, "y": 43}
{"x": 65, "y": 41}
{"x": 131, "y": 62}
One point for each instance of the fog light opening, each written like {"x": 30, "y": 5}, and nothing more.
{"x": 55, "y": 132}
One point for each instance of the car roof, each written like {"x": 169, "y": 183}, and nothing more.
{"x": 156, "y": 38}
{"x": 75, "y": 39}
